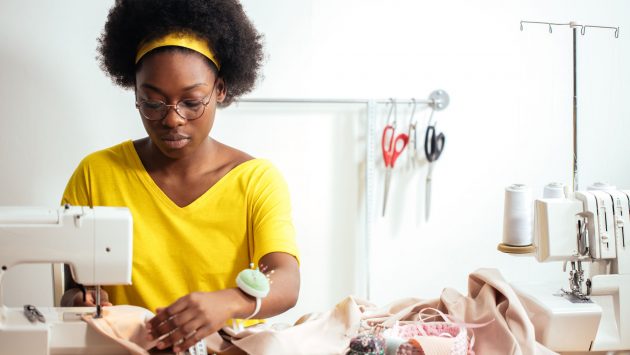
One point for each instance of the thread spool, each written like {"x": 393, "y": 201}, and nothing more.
{"x": 517, "y": 216}
{"x": 554, "y": 190}
{"x": 601, "y": 186}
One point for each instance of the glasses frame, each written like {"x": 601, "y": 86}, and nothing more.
{"x": 175, "y": 107}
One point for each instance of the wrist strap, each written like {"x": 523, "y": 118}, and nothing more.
{"x": 257, "y": 309}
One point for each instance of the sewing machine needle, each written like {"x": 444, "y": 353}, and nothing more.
{"x": 97, "y": 296}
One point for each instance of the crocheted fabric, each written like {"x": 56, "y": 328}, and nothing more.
{"x": 431, "y": 338}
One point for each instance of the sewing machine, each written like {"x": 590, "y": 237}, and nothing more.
{"x": 95, "y": 242}
{"x": 593, "y": 313}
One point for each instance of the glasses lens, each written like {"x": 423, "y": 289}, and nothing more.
{"x": 191, "y": 109}
{"x": 152, "y": 110}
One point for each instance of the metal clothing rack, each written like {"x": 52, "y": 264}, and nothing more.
{"x": 574, "y": 26}
{"x": 438, "y": 100}
{"x": 337, "y": 101}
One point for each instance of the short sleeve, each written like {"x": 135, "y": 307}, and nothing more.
{"x": 77, "y": 192}
{"x": 271, "y": 214}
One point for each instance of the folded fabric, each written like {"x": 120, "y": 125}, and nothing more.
{"x": 490, "y": 296}
{"x": 126, "y": 326}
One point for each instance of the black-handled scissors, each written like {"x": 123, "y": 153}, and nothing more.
{"x": 433, "y": 147}
{"x": 433, "y": 144}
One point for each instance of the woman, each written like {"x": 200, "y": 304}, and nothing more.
{"x": 202, "y": 211}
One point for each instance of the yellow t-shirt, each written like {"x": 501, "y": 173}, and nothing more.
{"x": 199, "y": 247}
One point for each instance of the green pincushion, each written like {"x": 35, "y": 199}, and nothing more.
{"x": 253, "y": 282}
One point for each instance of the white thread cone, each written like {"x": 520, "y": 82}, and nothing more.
{"x": 517, "y": 215}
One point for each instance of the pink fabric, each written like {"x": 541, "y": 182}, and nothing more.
{"x": 434, "y": 346}
{"x": 435, "y": 338}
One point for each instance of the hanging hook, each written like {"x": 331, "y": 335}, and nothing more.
{"x": 431, "y": 118}
{"x": 571, "y": 24}
{"x": 604, "y": 27}
{"x": 391, "y": 109}
{"x": 412, "y": 125}
{"x": 413, "y": 110}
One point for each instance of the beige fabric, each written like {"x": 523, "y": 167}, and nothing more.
{"x": 490, "y": 297}
{"x": 317, "y": 333}
{"x": 126, "y": 326}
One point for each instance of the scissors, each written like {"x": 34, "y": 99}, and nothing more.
{"x": 433, "y": 147}
{"x": 392, "y": 146}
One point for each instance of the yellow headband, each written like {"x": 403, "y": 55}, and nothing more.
{"x": 179, "y": 39}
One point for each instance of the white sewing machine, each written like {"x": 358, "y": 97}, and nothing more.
{"x": 96, "y": 242}
{"x": 593, "y": 314}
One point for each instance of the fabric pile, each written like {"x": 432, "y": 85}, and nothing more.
{"x": 492, "y": 317}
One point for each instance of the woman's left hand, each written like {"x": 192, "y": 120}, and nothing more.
{"x": 190, "y": 319}
{"x": 199, "y": 314}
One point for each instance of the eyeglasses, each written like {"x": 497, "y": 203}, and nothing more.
{"x": 155, "y": 110}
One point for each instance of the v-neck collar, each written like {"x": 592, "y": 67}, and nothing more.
{"x": 146, "y": 178}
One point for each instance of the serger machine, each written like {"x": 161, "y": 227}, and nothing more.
{"x": 95, "y": 242}
{"x": 585, "y": 229}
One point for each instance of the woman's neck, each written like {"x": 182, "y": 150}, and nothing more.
{"x": 200, "y": 161}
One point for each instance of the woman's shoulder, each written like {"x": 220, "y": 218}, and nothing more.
{"x": 238, "y": 161}
{"x": 114, "y": 155}
{"x": 250, "y": 166}
{"x": 252, "y": 169}
{"x": 260, "y": 174}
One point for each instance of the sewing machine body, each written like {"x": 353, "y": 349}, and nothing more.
{"x": 62, "y": 333}
{"x": 589, "y": 226}
{"x": 560, "y": 324}
{"x": 96, "y": 242}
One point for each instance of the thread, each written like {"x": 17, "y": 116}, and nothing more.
{"x": 554, "y": 190}
{"x": 601, "y": 186}
{"x": 517, "y": 215}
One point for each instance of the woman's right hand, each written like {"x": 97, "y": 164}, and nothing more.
{"x": 90, "y": 298}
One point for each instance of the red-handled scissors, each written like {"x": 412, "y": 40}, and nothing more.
{"x": 392, "y": 146}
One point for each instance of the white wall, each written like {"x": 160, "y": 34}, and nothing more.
{"x": 509, "y": 121}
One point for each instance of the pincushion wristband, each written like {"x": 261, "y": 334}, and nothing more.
{"x": 254, "y": 283}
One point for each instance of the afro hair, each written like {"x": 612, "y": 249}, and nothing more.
{"x": 223, "y": 23}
